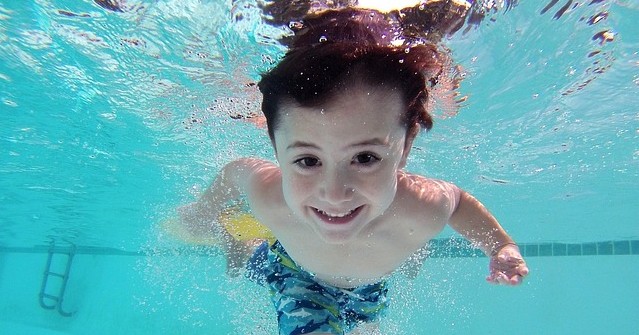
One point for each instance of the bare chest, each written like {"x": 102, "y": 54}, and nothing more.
{"x": 365, "y": 261}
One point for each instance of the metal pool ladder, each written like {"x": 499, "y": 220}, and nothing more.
{"x": 54, "y": 301}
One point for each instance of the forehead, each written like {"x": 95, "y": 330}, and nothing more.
{"x": 355, "y": 111}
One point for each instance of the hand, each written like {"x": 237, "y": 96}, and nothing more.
{"x": 507, "y": 266}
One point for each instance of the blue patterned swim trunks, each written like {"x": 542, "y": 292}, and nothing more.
{"x": 306, "y": 306}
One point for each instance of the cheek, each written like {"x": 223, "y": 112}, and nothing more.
{"x": 387, "y": 188}
{"x": 385, "y": 194}
{"x": 296, "y": 188}
{"x": 381, "y": 185}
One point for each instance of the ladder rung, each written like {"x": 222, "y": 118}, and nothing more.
{"x": 49, "y": 296}
{"x": 49, "y": 273}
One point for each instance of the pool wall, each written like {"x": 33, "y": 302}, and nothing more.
{"x": 171, "y": 292}
{"x": 108, "y": 294}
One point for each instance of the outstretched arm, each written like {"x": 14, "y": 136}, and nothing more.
{"x": 473, "y": 221}
{"x": 234, "y": 179}
{"x": 199, "y": 220}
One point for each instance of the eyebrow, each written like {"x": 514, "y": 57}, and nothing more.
{"x": 370, "y": 142}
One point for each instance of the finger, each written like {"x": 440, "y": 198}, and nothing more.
{"x": 506, "y": 267}
{"x": 510, "y": 261}
{"x": 491, "y": 279}
{"x": 517, "y": 280}
{"x": 511, "y": 280}
{"x": 503, "y": 279}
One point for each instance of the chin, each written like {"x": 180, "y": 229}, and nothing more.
{"x": 336, "y": 238}
{"x": 343, "y": 234}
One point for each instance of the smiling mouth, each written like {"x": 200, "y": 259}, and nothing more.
{"x": 337, "y": 218}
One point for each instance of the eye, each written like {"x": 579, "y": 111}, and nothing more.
{"x": 307, "y": 162}
{"x": 366, "y": 158}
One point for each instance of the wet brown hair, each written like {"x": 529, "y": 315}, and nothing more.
{"x": 336, "y": 47}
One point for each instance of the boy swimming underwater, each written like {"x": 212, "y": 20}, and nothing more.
{"x": 342, "y": 114}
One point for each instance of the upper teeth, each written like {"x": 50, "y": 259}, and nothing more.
{"x": 336, "y": 215}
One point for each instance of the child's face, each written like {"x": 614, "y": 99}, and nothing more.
{"x": 339, "y": 161}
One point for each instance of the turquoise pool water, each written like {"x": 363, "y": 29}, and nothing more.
{"x": 110, "y": 119}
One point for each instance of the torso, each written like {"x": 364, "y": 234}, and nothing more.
{"x": 418, "y": 213}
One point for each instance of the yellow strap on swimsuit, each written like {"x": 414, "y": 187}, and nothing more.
{"x": 242, "y": 226}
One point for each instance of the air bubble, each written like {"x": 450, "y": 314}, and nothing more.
{"x": 9, "y": 103}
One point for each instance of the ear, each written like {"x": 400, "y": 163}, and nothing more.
{"x": 408, "y": 144}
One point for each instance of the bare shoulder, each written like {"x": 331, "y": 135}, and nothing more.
{"x": 264, "y": 190}
{"x": 427, "y": 194}
{"x": 260, "y": 176}
{"x": 250, "y": 165}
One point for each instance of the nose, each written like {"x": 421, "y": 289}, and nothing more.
{"x": 335, "y": 188}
